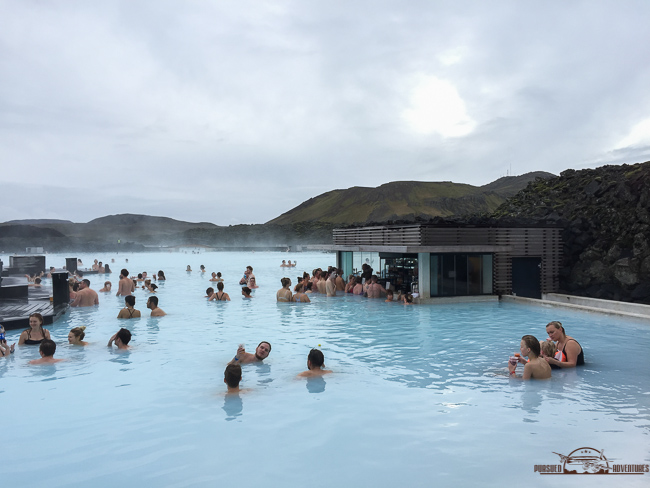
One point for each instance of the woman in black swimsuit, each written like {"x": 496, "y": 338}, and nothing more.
{"x": 220, "y": 296}
{"x": 36, "y": 333}
{"x": 572, "y": 353}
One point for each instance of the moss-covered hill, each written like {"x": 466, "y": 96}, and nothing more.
{"x": 606, "y": 220}
{"x": 405, "y": 201}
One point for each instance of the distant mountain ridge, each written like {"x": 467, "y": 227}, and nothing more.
{"x": 406, "y": 200}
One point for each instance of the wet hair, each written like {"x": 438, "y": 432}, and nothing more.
{"x": 249, "y": 267}
{"x": 218, "y": 274}
{"x": 107, "y": 269}
{"x": 548, "y": 348}
{"x": 47, "y": 347}
{"x": 374, "y": 278}
{"x": 154, "y": 300}
{"x": 220, "y": 286}
{"x": 532, "y": 343}
{"x": 409, "y": 299}
{"x": 209, "y": 291}
{"x": 232, "y": 375}
{"x": 264, "y": 342}
{"x": 125, "y": 272}
{"x": 78, "y": 332}
{"x": 161, "y": 273}
{"x": 316, "y": 358}
{"x": 153, "y": 287}
{"x": 87, "y": 281}
{"x": 38, "y": 316}
{"x": 247, "y": 290}
{"x": 310, "y": 285}
{"x": 75, "y": 286}
{"x": 124, "y": 335}
{"x": 389, "y": 292}
{"x": 37, "y": 281}
{"x": 130, "y": 300}
{"x": 285, "y": 282}
{"x": 305, "y": 276}
{"x": 299, "y": 287}
{"x": 202, "y": 267}
{"x": 139, "y": 275}
{"x": 108, "y": 283}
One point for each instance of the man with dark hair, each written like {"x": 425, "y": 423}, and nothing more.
{"x": 121, "y": 338}
{"x": 232, "y": 377}
{"x": 129, "y": 312}
{"x": 125, "y": 286}
{"x": 374, "y": 289}
{"x": 85, "y": 296}
{"x": 261, "y": 353}
{"x": 152, "y": 304}
{"x": 315, "y": 364}
{"x": 47, "y": 350}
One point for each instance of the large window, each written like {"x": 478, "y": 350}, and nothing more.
{"x": 461, "y": 274}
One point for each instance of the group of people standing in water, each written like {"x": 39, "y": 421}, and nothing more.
{"x": 557, "y": 352}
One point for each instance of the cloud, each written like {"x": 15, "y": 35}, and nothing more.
{"x": 237, "y": 112}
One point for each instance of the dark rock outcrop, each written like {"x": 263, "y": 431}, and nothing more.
{"x": 606, "y": 220}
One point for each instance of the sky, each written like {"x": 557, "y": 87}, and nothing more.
{"x": 234, "y": 112}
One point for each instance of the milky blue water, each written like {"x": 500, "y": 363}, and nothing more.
{"x": 420, "y": 395}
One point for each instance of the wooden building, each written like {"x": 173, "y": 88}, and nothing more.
{"x": 437, "y": 261}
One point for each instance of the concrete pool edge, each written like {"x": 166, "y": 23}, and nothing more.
{"x": 608, "y": 307}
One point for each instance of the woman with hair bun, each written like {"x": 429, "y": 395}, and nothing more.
{"x": 569, "y": 351}
{"x": 284, "y": 294}
{"x": 76, "y": 335}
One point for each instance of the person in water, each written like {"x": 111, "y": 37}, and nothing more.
{"x": 107, "y": 287}
{"x": 232, "y": 377}
{"x": 5, "y": 349}
{"x": 246, "y": 292}
{"x": 156, "y": 311}
{"x": 121, "y": 338}
{"x": 129, "y": 312}
{"x": 569, "y": 351}
{"x": 261, "y": 353}
{"x": 126, "y": 286}
{"x": 315, "y": 364}
{"x": 36, "y": 333}
{"x": 220, "y": 295}
{"x": 284, "y": 294}
{"x": 47, "y": 350}
{"x": 86, "y": 297}
{"x": 299, "y": 296}
{"x": 76, "y": 335}
{"x": 536, "y": 367}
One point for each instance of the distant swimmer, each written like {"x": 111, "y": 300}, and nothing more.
{"x": 95, "y": 266}
{"x": 299, "y": 296}
{"x": 161, "y": 276}
{"x": 202, "y": 269}
{"x": 47, "y": 350}
{"x": 284, "y": 294}
{"x": 220, "y": 295}
{"x": 214, "y": 277}
{"x": 261, "y": 353}
{"x": 156, "y": 311}
{"x": 76, "y": 335}
{"x": 5, "y": 349}
{"x": 284, "y": 264}
{"x": 125, "y": 286}
{"x": 107, "y": 287}
{"x": 289, "y": 265}
{"x": 246, "y": 292}
{"x": 121, "y": 338}
{"x": 315, "y": 364}
{"x": 85, "y": 296}
{"x": 129, "y": 312}
{"x": 209, "y": 292}
{"x": 248, "y": 274}
{"x": 188, "y": 268}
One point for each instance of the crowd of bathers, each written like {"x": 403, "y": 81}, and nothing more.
{"x": 558, "y": 351}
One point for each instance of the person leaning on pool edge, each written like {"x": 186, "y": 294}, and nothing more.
{"x": 261, "y": 353}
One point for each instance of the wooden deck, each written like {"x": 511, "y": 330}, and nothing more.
{"x": 15, "y": 312}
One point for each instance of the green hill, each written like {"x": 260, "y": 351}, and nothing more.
{"x": 406, "y": 200}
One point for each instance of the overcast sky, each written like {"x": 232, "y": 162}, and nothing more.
{"x": 236, "y": 112}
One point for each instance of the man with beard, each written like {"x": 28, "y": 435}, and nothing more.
{"x": 261, "y": 353}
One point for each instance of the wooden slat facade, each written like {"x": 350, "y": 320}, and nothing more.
{"x": 507, "y": 242}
